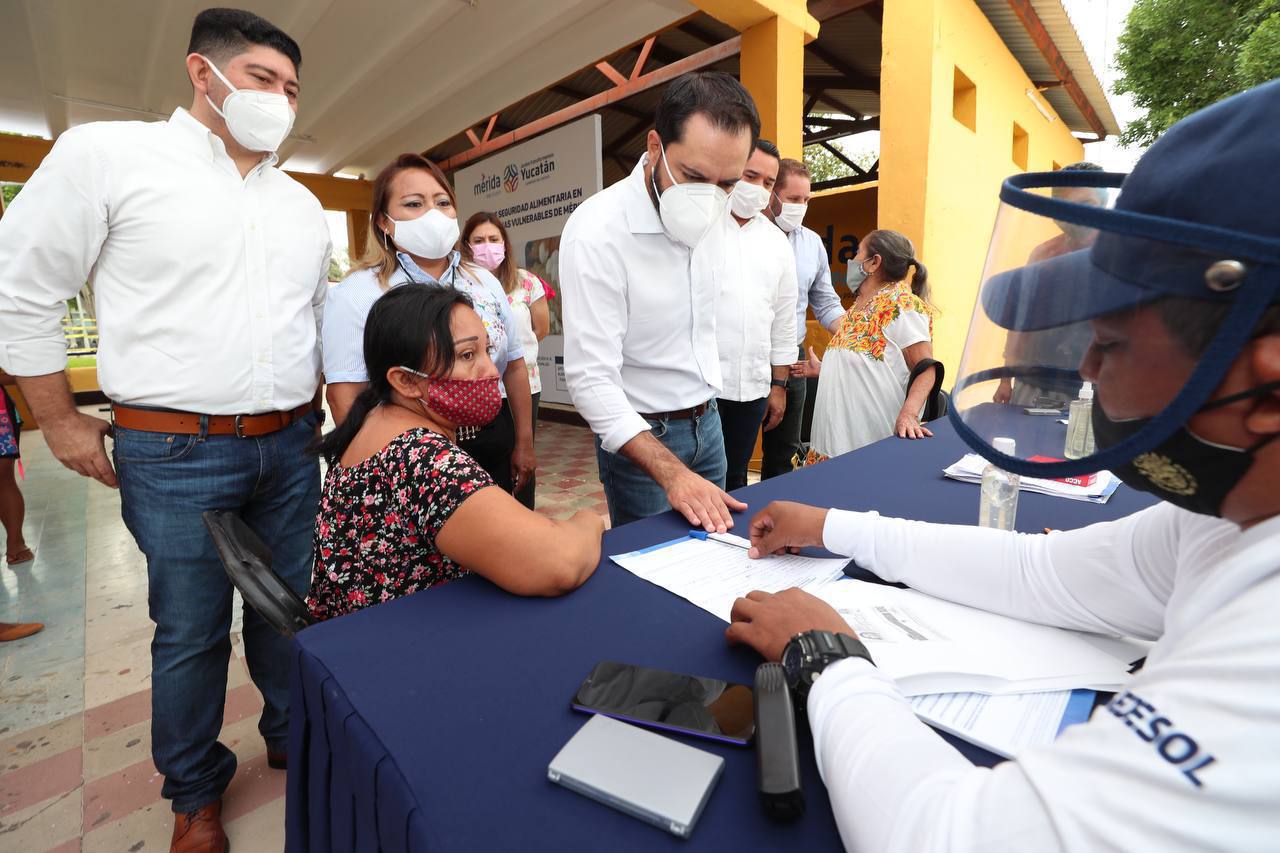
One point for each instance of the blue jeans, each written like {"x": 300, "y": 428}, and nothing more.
{"x": 166, "y": 482}
{"x": 632, "y": 494}
{"x": 740, "y": 423}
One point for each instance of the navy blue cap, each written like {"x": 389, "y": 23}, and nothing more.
{"x": 1204, "y": 192}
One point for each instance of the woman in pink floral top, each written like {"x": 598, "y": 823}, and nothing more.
{"x": 403, "y": 507}
{"x": 863, "y": 395}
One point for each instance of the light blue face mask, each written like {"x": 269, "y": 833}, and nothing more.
{"x": 855, "y": 275}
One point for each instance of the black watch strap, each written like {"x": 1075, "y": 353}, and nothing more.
{"x": 821, "y": 649}
{"x": 780, "y": 383}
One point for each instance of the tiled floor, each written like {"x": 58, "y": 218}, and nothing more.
{"x": 75, "y": 700}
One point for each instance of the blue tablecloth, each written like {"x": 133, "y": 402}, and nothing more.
{"x": 427, "y": 723}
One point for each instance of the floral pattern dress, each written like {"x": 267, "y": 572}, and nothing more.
{"x": 375, "y": 536}
{"x": 864, "y": 374}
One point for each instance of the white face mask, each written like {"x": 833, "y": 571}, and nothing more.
{"x": 791, "y": 216}
{"x": 747, "y": 199}
{"x": 687, "y": 210}
{"x": 260, "y": 121}
{"x": 432, "y": 235}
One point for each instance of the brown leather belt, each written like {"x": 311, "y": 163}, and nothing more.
{"x": 188, "y": 423}
{"x": 681, "y": 415}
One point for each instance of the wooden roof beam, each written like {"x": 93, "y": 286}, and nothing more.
{"x": 1044, "y": 42}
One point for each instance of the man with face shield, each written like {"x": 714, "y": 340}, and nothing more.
{"x": 1181, "y": 289}
{"x": 640, "y": 272}
{"x": 209, "y": 267}
{"x": 1070, "y": 339}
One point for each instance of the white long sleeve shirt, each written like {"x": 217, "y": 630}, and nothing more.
{"x": 756, "y": 314}
{"x": 209, "y": 288}
{"x": 813, "y": 278}
{"x": 1187, "y": 758}
{"x": 639, "y": 312}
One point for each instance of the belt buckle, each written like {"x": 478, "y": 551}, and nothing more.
{"x": 239, "y": 425}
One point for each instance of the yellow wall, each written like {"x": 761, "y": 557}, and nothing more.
{"x": 939, "y": 180}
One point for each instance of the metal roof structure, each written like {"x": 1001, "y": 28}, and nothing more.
{"x": 429, "y": 75}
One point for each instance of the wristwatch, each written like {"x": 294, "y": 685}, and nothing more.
{"x": 780, "y": 383}
{"x": 808, "y": 654}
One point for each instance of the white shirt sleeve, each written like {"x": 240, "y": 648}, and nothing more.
{"x": 782, "y": 334}
{"x": 1110, "y": 578}
{"x": 322, "y": 293}
{"x": 594, "y": 289}
{"x": 823, "y": 301}
{"x": 1185, "y": 759}
{"x": 50, "y": 237}
{"x": 909, "y": 327}
{"x": 342, "y": 336}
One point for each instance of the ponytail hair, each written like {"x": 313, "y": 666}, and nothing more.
{"x": 409, "y": 326}
{"x": 898, "y": 257}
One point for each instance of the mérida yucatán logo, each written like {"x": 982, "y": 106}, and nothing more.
{"x": 514, "y": 175}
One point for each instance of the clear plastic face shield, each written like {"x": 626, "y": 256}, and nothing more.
{"x": 1149, "y": 311}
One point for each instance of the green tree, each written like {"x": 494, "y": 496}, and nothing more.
{"x": 9, "y": 192}
{"x": 1178, "y": 56}
{"x": 825, "y": 166}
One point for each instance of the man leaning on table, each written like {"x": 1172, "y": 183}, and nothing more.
{"x": 1182, "y": 290}
{"x": 640, "y": 274}
{"x": 209, "y": 268}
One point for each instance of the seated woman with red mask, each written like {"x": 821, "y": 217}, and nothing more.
{"x": 403, "y": 507}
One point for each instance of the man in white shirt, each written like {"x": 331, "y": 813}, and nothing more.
{"x": 756, "y": 318}
{"x": 787, "y": 208}
{"x": 640, "y": 274}
{"x": 1182, "y": 290}
{"x": 209, "y": 268}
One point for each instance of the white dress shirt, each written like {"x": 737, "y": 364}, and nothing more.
{"x": 639, "y": 312}
{"x": 813, "y": 277}
{"x": 209, "y": 288}
{"x": 1186, "y": 757}
{"x": 756, "y": 315}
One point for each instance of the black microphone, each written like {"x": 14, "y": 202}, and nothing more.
{"x": 777, "y": 756}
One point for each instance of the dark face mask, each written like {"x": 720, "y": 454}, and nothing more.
{"x": 1184, "y": 470}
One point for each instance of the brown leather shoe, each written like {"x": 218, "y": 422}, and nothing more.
{"x": 200, "y": 831}
{"x": 18, "y": 630}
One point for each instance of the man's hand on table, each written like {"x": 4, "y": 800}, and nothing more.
{"x": 700, "y": 501}
{"x": 785, "y": 527}
{"x": 767, "y": 621}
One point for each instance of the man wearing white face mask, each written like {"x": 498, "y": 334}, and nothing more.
{"x": 640, "y": 271}
{"x": 787, "y": 208}
{"x": 756, "y": 317}
{"x": 209, "y": 268}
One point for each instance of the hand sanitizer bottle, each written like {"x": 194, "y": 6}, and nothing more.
{"x": 1080, "y": 425}
{"x": 999, "y": 501}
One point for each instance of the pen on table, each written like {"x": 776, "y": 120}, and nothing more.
{"x": 725, "y": 538}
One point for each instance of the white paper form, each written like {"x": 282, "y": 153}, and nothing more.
{"x": 970, "y": 467}
{"x": 928, "y": 645}
{"x": 1005, "y": 725}
{"x": 713, "y": 574}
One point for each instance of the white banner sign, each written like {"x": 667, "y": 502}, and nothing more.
{"x": 533, "y": 187}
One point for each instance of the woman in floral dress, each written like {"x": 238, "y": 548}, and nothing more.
{"x": 862, "y": 395}
{"x": 403, "y": 507}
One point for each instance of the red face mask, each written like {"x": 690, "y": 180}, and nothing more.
{"x": 463, "y": 402}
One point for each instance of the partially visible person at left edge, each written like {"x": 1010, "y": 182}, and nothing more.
{"x": 209, "y": 269}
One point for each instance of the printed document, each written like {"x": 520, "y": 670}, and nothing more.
{"x": 713, "y": 574}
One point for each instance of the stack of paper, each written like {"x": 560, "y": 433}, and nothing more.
{"x": 1005, "y": 725}
{"x": 929, "y": 646}
{"x": 969, "y": 470}
{"x": 713, "y": 574}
